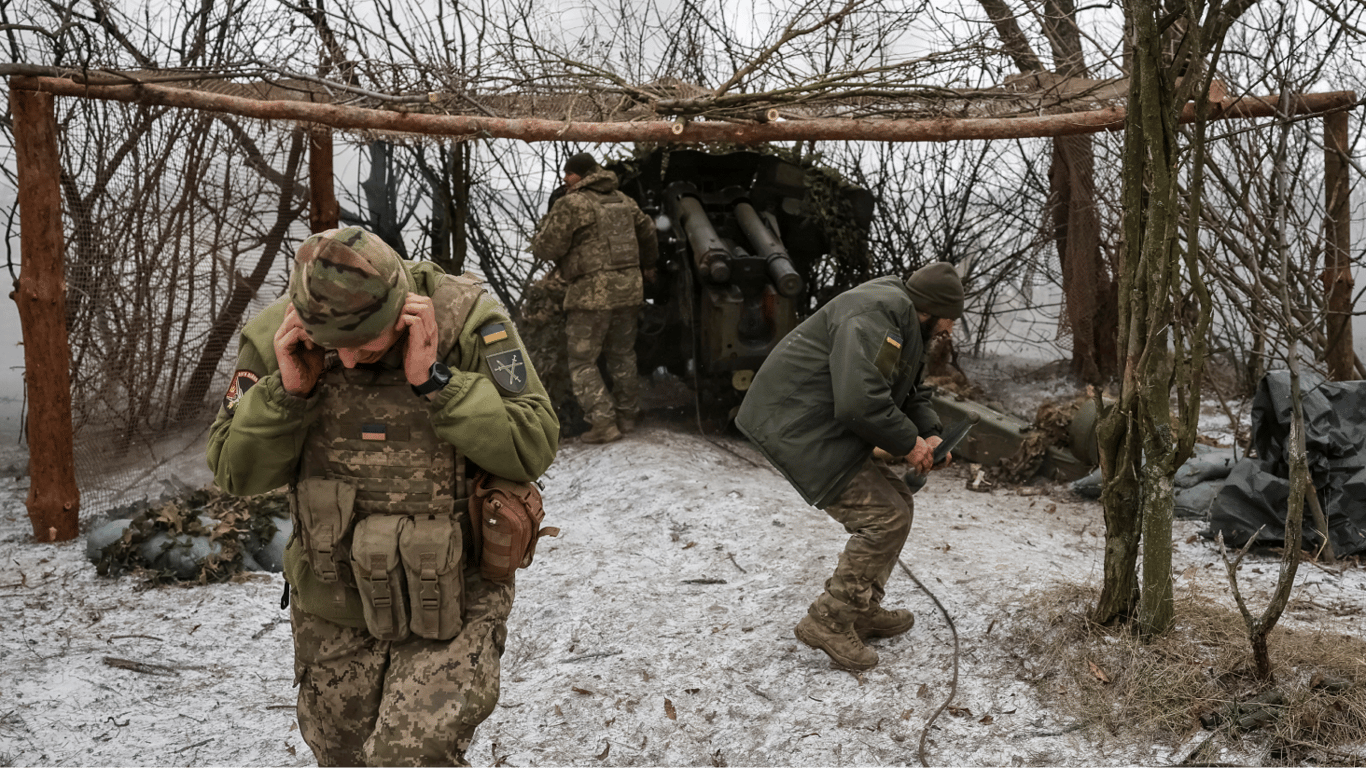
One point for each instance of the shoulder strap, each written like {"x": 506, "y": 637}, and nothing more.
{"x": 454, "y": 299}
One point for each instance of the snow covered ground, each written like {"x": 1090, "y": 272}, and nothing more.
{"x": 656, "y": 630}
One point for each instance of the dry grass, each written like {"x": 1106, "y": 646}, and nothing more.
{"x": 1126, "y": 691}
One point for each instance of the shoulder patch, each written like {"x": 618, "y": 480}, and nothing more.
{"x": 241, "y": 382}
{"x": 493, "y": 332}
{"x": 889, "y": 355}
{"x": 508, "y": 370}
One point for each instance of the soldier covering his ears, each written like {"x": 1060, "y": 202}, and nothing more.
{"x": 374, "y": 390}
{"x": 838, "y": 397}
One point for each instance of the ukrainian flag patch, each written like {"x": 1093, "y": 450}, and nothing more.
{"x": 888, "y": 355}
{"x": 493, "y": 332}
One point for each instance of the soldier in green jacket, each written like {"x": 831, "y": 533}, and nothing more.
{"x": 374, "y": 390}
{"x": 600, "y": 241}
{"x": 839, "y": 398}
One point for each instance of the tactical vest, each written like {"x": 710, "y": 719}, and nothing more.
{"x": 611, "y": 244}
{"x": 380, "y": 498}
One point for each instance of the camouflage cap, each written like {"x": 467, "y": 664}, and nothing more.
{"x": 348, "y": 286}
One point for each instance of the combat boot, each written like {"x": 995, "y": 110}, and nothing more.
{"x": 604, "y": 432}
{"x": 880, "y": 622}
{"x": 627, "y": 424}
{"x": 828, "y": 631}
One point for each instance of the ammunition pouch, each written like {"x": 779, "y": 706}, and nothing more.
{"x": 379, "y": 575}
{"x": 431, "y": 548}
{"x": 322, "y": 510}
{"x": 506, "y": 516}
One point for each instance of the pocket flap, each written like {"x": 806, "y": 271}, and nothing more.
{"x": 374, "y": 548}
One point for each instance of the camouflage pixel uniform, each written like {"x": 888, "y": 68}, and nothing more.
{"x": 397, "y": 637}
{"x": 600, "y": 241}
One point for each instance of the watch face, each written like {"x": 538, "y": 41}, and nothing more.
{"x": 438, "y": 376}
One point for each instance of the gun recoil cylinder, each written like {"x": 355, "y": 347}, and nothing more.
{"x": 709, "y": 252}
{"x": 766, "y": 244}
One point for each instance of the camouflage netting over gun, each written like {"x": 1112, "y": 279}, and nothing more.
{"x": 751, "y": 241}
{"x": 206, "y": 536}
{"x": 541, "y": 326}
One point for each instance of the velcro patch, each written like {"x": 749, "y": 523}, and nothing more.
{"x": 241, "y": 382}
{"x": 493, "y": 332}
{"x": 373, "y": 432}
{"x": 508, "y": 370}
{"x": 888, "y": 355}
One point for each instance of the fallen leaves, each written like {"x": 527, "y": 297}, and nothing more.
{"x": 669, "y": 710}
{"x": 1097, "y": 672}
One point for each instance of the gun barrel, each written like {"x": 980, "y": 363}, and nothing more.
{"x": 709, "y": 252}
{"x": 767, "y": 244}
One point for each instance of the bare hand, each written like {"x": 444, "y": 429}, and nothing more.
{"x": 300, "y": 360}
{"x": 934, "y": 442}
{"x": 921, "y": 457}
{"x": 418, "y": 317}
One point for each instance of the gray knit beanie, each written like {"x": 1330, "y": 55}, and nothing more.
{"x": 936, "y": 289}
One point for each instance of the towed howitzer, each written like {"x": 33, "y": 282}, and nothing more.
{"x": 741, "y": 236}
{"x": 746, "y": 282}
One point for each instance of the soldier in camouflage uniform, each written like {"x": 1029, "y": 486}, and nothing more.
{"x": 600, "y": 241}
{"x": 374, "y": 390}
{"x": 840, "y": 398}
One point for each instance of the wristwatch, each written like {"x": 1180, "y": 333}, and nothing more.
{"x": 438, "y": 376}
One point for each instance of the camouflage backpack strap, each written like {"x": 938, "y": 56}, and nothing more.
{"x": 454, "y": 298}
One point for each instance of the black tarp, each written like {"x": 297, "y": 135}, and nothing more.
{"x": 1254, "y": 498}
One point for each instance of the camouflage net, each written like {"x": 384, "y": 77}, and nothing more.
{"x": 541, "y": 326}
{"x": 1050, "y": 428}
{"x": 204, "y": 537}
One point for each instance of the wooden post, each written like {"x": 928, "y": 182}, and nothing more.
{"x": 323, "y": 212}
{"x": 1337, "y": 272}
{"x": 54, "y": 502}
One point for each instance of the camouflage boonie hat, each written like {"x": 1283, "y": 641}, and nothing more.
{"x": 348, "y": 286}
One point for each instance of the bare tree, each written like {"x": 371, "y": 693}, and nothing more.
{"x": 1088, "y": 281}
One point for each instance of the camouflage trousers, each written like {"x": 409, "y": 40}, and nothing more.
{"x": 876, "y": 509}
{"x": 610, "y": 333}
{"x": 364, "y": 701}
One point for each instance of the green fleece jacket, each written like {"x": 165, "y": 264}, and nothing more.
{"x": 846, "y": 380}
{"x": 256, "y": 442}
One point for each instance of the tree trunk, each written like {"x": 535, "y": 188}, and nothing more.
{"x": 661, "y": 131}
{"x": 1136, "y": 443}
{"x": 1337, "y": 273}
{"x": 322, "y": 207}
{"x": 54, "y": 501}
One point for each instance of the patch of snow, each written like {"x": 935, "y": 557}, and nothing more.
{"x": 657, "y": 629}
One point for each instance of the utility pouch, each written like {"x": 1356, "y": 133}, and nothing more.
{"x": 379, "y": 575}
{"x": 323, "y": 510}
{"x": 431, "y": 548}
{"x": 506, "y": 516}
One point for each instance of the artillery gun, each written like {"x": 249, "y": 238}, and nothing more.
{"x": 745, "y": 253}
